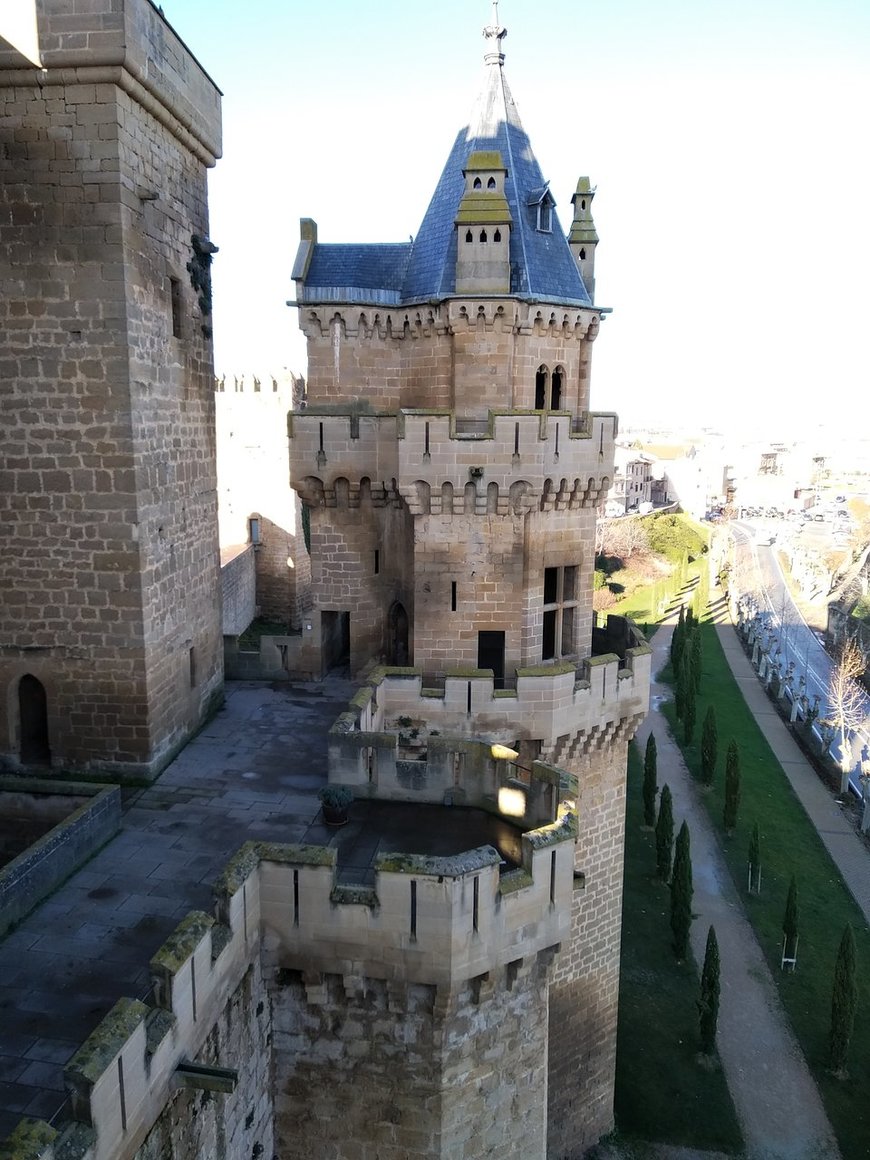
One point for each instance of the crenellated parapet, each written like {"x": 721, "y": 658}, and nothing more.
{"x": 580, "y": 708}
{"x": 511, "y": 463}
{"x": 439, "y": 922}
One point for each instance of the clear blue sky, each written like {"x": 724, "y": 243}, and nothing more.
{"x": 728, "y": 142}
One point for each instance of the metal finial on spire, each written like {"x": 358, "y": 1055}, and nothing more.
{"x": 494, "y": 34}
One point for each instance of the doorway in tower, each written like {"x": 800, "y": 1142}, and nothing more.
{"x": 33, "y": 715}
{"x": 490, "y": 655}
{"x": 398, "y": 651}
{"x": 334, "y": 641}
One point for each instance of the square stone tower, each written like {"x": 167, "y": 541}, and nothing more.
{"x": 110, "y": 633}
{"x": 452, "y": 471}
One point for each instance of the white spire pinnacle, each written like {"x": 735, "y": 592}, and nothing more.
{"x": 494, "y": 34}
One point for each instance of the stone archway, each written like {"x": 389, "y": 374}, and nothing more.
{"x": 399, "y": 629}
{"x": 33, "y": 718}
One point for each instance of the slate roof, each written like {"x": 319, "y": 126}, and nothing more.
{"x": 542, "y": 265}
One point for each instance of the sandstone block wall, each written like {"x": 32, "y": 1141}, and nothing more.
{"x": 464, "y": 354}
{"x": 417, "y": 1071}
{"x": 585, "y": 992}
{"x": 109, "y": 574}
{"x": 201, "y": 1125}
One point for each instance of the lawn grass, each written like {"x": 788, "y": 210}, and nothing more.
{"x": 662, "y": 1094}
{"x": 789, "y": 845}
{"x": 640, "y": 605}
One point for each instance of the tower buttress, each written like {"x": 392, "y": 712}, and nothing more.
{"x": 583, "y": 237}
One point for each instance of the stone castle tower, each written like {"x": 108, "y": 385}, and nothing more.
{"x": 452, "y": 470}
{"x": 110, "y": 637}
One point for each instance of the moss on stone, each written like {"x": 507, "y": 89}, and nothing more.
{"x": 183, "y": 942}
{"x": 563, "y": 830}
{"x": 362, "y": 698}
{"x": 454, "y": 866}
{"x": 298, "y": 855}
{"x": 28, "y": 1140}
{"x": 473, "y": 673}
{"x": 354, "y": 894}
{"x": 604, "y": 659}
{"x": 239, "y": 868}
{"x": 106, "y": 1042}
{"x": 513, "y": 880}
{"x": 557, "y": 670}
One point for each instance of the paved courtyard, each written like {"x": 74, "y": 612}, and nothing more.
{"x": 252, "y": 773}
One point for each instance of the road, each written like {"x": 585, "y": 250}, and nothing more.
{"x": 798, "y": 641}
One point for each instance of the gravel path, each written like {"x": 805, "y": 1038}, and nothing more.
{"x": 776, "y": 1098}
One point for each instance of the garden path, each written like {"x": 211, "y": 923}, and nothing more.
{"x": 775, "y": 1096}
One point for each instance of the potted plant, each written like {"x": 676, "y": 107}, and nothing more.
{"x": 334, "y": 801}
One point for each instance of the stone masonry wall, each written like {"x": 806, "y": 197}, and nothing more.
{"x": 197, "y": 1125}
{"x": 347, "y": 576}
{"x": 465, "y": 355}
{"x": 368, "y": 1067}
{"x": 585, "y": 991}
{"x": 109, "y": 578}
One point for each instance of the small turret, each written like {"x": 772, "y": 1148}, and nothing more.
{"x": 483, "y": 225}
{"x": 583, "y": 237}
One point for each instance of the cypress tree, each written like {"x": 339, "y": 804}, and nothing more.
{"x": 677, "y": 641}
{"x": 650, "y": 787}
{"x": 755, "y": 859}
{"x": 709, "y": 746}
{"x": 708, "y": 1005}
{"x": 689, "y": 718}
{"x": 695, "y": 655}
{"x": 664, "y": 834}
{"x": 679, "y": 693}
{"x": 790, "y": 920}
{"x": 732, "y": 787}
{"x": 681, "y": 893}
{"x": 844, "y": 1002}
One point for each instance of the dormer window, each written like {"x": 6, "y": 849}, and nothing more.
{"x": 542, "y": 202}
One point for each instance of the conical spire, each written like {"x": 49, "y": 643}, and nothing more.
{"x": 540, "y": 263}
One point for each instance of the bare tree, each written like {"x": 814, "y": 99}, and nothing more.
{"x": 846, "y": 699}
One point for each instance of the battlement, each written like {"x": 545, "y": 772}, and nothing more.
{"x": 562, "y": 700}
{"x": 433, "y": 921}
{"x": 440, "y": 464}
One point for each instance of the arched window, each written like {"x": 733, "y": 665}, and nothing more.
{"x": 478, "y": 184}
{"x": 542, "y": 381}
{"x": 491, "y": 183}
{"x": 557, "y": 384}
{"x": 483, "y": 235}
{"x": 469, "y": 237}
{"x": 583, "y": 255}
{"x": 496, "y": 237}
